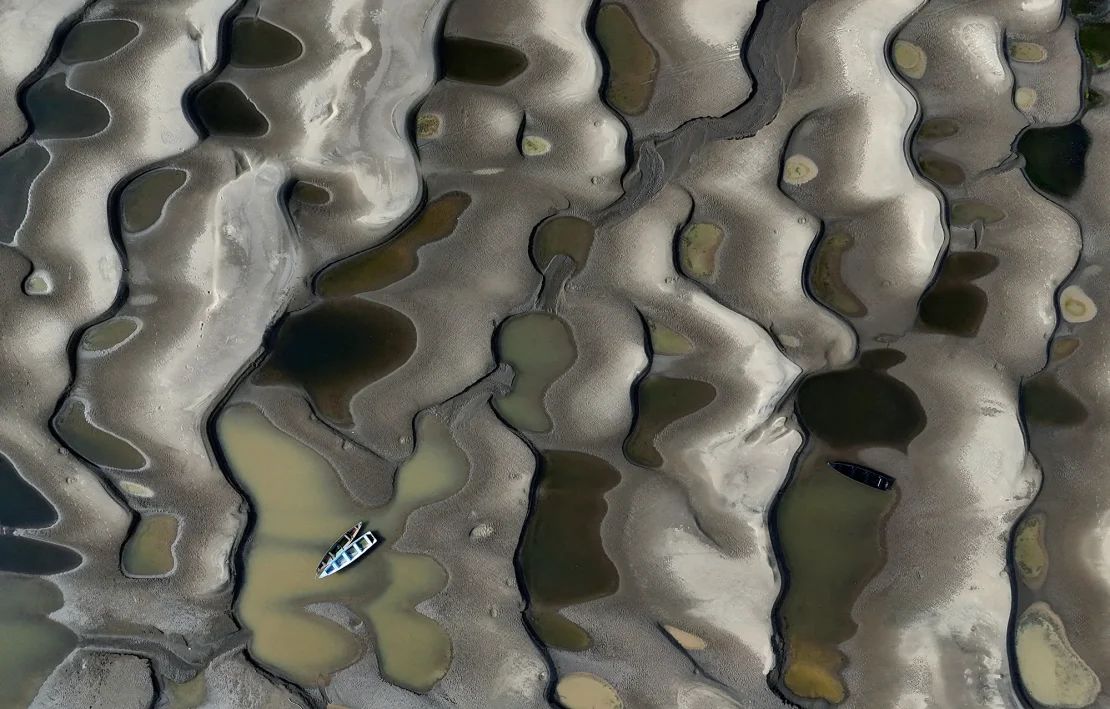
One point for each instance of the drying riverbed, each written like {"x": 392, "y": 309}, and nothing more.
{"x": 572, "y": 304}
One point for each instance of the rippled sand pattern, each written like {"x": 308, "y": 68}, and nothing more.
{"x": 572, "y": 303}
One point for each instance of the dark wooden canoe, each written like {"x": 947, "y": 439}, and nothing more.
{"x": 862, "y": 474}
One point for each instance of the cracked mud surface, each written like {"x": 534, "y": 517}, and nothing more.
{"x": 572, "y": 302}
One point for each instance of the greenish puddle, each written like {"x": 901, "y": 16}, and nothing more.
{"x": 33, "y": 643}
{"x": 58, "y": 111}
{"x": 953, "y": 305}
{"x": 144, "y": 199}
{"x": 1093, "y": 99}
{"x": 149, "y": 551}
{"x": 697, "y": 250}
{"x": 92, "y": 40}
{"x": 92, "y": 443}
{"x": 38, "y": 283}
{"x": 1094, "y": 40}
{"x": 831, "y": 537}
{"x": 477, "y": 61}
{"x": 556, "y": 631}
{"x": 562, "y": 557}
{"x": 855, "y": 407}
{"x": 190, "y": 694}
{"x": 336, "y": 348}
{"x": 302, "y": 508}
{"x": 21, "y": 504}
{"x": 940, "y": 169}
{"x": 224, "y": 110}
{"x": 632, "y": 61}
{"x": 397, "y": 258}
{"x": 825, "y": 278}
{"x": 569, "y": 236}
{"x": 660, "y": 401}
{"x": 938, "y": 128}
{"x": 667, "y": 342}
{"x": 1063, "y": 347}
{"x": 34, "y": 556}
{"x": 257, "y": 44}
{"x": 1029, "y": 551}
{"x": 1045, "y": 401}
{"x": 18, "y": 169}
{"x": 540, "y": 348}
{"x": 1055, "y": 157}
{"x": 1051, "y": 671}
{"x": 966, "y": 212}
{"x": 109, "y": 334}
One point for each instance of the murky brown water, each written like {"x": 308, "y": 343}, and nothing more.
{"x": 91, "y": 41}
{"x": 60, "y": 112}
{"x": 18, "y": 169}
{"x": 631, "y": 60}
{"x": 144, "y": 199}
{"x": 224, "y": 110}
{"x": 477, "y": 61}
{"x": 569, "y": 236}
{"x": 108, "y": 334}
{"x": 660, "y": 401}
{"x": 336, "y": 348}
{"x": 257, "y": 44}
{"x": 149, "y": 551}
{"x": 396, "y": 258}
{"x": 826, "y": 280}
{"x": 831, "y": 536}
{"x": 302, "y": 507}
{"x": 94, "y": 443}
{"x": 33, "y": 644}
{"x": 539, "y": 347}
{"x": 561, "y": 554}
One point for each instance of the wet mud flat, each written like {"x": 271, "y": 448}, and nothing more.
{"x": 704, "y": 353}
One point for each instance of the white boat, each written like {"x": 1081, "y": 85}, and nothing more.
{"x": 350, "y": 536}
{"x": 347, "y": 554}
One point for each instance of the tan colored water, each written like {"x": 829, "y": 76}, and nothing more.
{"x": 302, "y": 508}
{"x": 540, "y": 347}
{"x": 149, "y": 551}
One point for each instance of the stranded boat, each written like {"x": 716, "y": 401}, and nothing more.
{"x": 863, "y": 474}
{"x": 346, "y": 551}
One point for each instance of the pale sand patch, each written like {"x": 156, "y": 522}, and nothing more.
{"x": 688, "y": 641}
{"x": 716, "y": 22}
{"x": 582, "y": 690}
{"x": 1076, "y": 306}
{"x": 798, "y": 170}
{"x": 1053, "y": 673}
{"x": 1025, "y": 98}
{"x": 1028, "y": 52}
{"x": 910, "y": 59}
